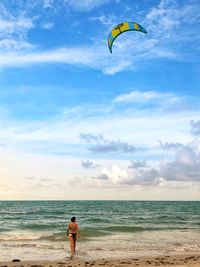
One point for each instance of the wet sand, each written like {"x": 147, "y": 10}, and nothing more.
{"x": 168, "y": 260}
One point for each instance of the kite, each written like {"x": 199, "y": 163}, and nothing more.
{"x": 123, "y": 27}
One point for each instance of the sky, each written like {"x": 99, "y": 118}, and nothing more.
{"x": 77, "y": 122}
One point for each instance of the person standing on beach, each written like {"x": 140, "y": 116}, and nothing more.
{"x": 73, "y": 232}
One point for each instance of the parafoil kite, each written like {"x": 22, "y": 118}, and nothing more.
{"x": 123, "y": 27}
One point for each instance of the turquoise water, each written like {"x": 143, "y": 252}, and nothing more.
{"x": 136, "y": 225}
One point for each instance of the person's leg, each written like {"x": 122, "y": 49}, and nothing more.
{"x": 74, "y": 243}
{"x": 71, "y": 240}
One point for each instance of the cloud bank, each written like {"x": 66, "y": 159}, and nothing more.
{"x": 103, "y": 145}
{"x": 185, "y": 167}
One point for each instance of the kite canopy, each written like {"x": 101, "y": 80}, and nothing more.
{"x": 123, "y": 27}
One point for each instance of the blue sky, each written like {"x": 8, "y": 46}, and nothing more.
{"x": 114, "y": 126}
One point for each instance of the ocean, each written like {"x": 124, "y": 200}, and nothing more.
{"x": 109, "y": 229}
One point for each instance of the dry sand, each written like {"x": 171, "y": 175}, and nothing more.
{"x": 178, "y": 260}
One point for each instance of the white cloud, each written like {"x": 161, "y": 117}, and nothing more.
{"x": 138, "y": 164}
{"x": 186, "y": 165}
{"x": 68, "y": 56}
{"x": 117, "y": 66}
{"x": 85, "y": 5}
{"x": 91, "y": 57}
{"x": 15, "y": 25}
{"x": 11, "y": 44}
{"x": 117, "y": 176}
{"x": 95, "y": 57}
{"x": 147, "y": 96}
{"x": 87, "y": 164}
{"x": 100, "y": 144}
{"x": 195, "y": 128}
{"x": 169, "y": 17}
{"x": 14, "y": 29}
{"x": 114, "y": 175}
{"x": 105, "y": 20}
{"x": 48, "y": 25}
{"x": 77, "y": 5}
{"x": 48, "y": 3}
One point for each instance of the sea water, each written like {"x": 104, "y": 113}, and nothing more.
{"x": 109, "y": 229}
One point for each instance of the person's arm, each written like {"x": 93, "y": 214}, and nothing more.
{"x": 68, "y": 230}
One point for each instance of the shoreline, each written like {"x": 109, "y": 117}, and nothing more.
{"x": 152, "y": 261}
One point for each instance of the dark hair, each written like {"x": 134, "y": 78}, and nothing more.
{"x": 73, "y": 219}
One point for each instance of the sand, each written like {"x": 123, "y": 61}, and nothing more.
{"x": 168, "y": 260}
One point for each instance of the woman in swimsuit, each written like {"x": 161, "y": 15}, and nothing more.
{"x": 73, "y": 233}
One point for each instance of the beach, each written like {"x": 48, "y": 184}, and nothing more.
{"x": 175, "y": 260}
{"x": 113, "y": 233}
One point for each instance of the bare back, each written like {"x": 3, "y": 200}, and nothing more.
{"x": 73, "y": 228}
